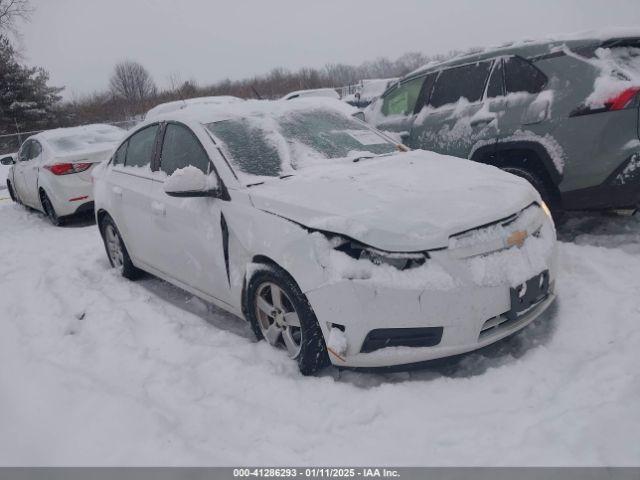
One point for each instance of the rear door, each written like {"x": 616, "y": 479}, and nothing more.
{"x": 454, "y": 116}
{"x": 18, "y": 177}
{"x": 187, "y": 240}
{"x": 130, "y": 182}
{"x": 522, "y": 109}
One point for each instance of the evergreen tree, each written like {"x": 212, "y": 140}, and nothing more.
{"x": 26, "y": 101}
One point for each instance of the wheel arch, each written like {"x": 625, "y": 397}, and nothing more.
{"x": 529, "y": 155}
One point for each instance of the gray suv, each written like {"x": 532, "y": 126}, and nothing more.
{"x": 562, "y": 114}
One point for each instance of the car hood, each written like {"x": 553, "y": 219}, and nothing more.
{"x": 401, "y": 203}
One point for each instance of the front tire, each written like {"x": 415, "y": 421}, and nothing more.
{"x": 281, "y": 314}
{"x": 116, "y": 250}
{"x": 11, "y": 192}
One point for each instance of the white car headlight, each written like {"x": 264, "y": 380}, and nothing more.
{"x": 401, "y": 261}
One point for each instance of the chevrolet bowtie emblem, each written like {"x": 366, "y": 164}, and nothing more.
{"x": 517, "y": 238}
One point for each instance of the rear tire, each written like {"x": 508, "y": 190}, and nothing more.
{"x": 541, "y": 186}
{"x": 116, "y": 250}
{"x": 11, "y": 193}
{"x": 287, "y": 320}
{"x": 49, "y": 210}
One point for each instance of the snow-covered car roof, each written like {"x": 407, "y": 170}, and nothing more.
{"x": 86, "y": 138}
{"x": 207, "y": 113}
{"x": 182, "y": 104}
{"x": 316, "y": 92}
{"x": 536, "y": 47}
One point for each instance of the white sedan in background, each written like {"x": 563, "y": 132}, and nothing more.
{"x": 334, "y": 242}
{"x": 52, "y": 170}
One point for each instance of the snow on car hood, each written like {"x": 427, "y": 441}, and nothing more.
{"x": 401, "y": 203}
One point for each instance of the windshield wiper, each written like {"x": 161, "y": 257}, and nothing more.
{"x": 286, "y": 175}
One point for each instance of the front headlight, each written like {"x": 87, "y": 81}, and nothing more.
{"x": 401, "y": 261}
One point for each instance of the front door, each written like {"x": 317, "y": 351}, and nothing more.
{"x": 31, "y": 172}
{"x": 395, "y": 112}
{"x": 187, "y": 240}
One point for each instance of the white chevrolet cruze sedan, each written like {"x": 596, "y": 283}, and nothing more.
{"x": 333, "y": 241}
{"x": 52, "y": 171}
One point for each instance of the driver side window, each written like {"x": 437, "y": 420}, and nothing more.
{"x": 181, "y": 148}
{"x": 402, "y": 100}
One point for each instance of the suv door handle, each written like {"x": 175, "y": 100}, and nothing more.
{"x": 158, "y": 208}
{"x": 117, "y": 191}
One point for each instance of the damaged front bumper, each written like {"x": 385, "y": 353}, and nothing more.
{"x": 414, "y": 316}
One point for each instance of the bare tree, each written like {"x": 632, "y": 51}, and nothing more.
{"x": 12, "y": 10}
{"x": 132, "y": 82}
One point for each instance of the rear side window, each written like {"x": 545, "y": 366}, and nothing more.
{"x": 521, "y": 76}
{"x": 181, "y": 148}
{"x": 120, "y": 155}
{"x": 402, "y": 100}
{"x": 25, "y": 151}
{"x": 36, "y": 149}
{"x": 466, "y": 82}
{"x": 141, "y": 146}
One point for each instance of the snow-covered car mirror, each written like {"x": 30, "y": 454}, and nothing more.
{"x": 7, "y": 160}
{"x": 191, "y": 182}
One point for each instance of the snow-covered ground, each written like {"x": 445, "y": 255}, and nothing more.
{"x": 95, "y": 369}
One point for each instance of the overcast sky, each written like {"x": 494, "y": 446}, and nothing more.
{"x": 79, "y": 41}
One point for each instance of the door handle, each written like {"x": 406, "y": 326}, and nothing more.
{"x": 158, "y": 208}
{"x": 117, "y": 191}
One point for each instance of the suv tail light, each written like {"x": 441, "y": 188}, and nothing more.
{"x": 622, "y": 100}
{"x": 67, "y": 168}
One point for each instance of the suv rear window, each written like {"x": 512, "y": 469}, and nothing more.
{"x": 521, "y": 76}
{"x": 467, "y": 82}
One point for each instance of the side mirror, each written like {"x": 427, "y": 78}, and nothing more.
{"x": 7, "y": 161}
{"x": 359, "y": 115}
{"x": 191, "y": 182}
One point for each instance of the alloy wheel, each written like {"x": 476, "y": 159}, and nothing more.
{"x": 114, "y": 246}
{"x": 277, "y": 318}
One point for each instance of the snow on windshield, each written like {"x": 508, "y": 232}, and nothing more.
{"x": 88, "y": 138}
{"x": 277, "y": 144}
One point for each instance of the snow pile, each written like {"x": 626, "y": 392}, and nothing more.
{"x": 104, "y": 371}
{"x": 189, "y": 179}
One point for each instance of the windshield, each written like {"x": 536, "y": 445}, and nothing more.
{"x": 275, "y": 146}
{"x": 89, "y": 139}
